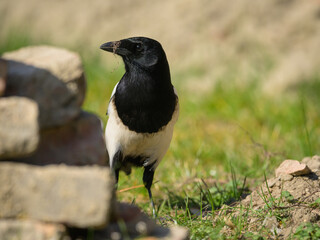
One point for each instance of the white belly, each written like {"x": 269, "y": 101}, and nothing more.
{"x": 153, "y": 146}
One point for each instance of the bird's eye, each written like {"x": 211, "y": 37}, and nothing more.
{"x": 138, "y": 47}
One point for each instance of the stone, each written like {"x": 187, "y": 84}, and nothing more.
{"x": 18, "y": 127}
{"x": 136, "y": 222}
{"x": 52, "y": 77}
{"x": 131, "y": 223}
{"x": 63, "y": 64}
{"x": 272, "y": 182}
{"x": 313, "y": 163}
{"x": 292, "y": 167}
{"x": 78, "y": 143}
{"x": 76, "y": 196}
{"x": 3, "y": 75}
{"x": 31, "y": 230}
{"x": 286, "y": 177}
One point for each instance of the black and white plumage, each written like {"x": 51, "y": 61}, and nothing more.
{"x": 143, "y": 108}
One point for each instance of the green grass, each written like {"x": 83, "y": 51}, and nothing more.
{"x": 230, "y": 126}
{"x": 226, "y": 139}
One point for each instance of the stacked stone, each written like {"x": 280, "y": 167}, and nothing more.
{"x": 54, "y": 182}
{"x": 41, "y": 123}
{"x": 41, "y": 117}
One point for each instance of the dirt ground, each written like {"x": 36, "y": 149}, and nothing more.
{"x": 279, "y": 207}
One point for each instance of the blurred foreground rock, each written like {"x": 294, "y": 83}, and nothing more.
{"x": 75, "y": 196}
{"x": 18, "y": 127}
{"x": 80, "y": 142}
{"x": 63, "y": 64}
{"x": 3, "y": 75}
{"x": 54, "y": 80}
{"x": 31, "y": 230}
{"x": 139, "y": 224}
{"x": 58, "y": 201}
{"x": 136, "y": 224}
{"x": 53, "y": 77}
{"x": 42, "y": 132}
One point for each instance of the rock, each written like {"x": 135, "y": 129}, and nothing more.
{"x": 18, "y": 127}
{"x": 136, "y": 222}
{"x": 3, "y": 75}
{"x": 78, "y": 143}
{"x": 313, "y": 163}
{"x": 286, "y": 177}
{"x": 56, "y": 104}
{"x": 52, "y": 77}
{"x": 131, "y": 223}
{"x": 30, "y": 230}
{"x": 76, "y": 196}
{"x": 63, "y": 64}
{"x": 272, "y": 182}
{"x": 292, "y": 167}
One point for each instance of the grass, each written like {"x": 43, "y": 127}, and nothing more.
{"x": 226, "y": 139}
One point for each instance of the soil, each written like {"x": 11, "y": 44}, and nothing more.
{"x": 276, "y": 208}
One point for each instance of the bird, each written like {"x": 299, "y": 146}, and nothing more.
{"x": 142, "y": 110}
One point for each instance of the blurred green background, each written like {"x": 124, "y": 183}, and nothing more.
{"x": 247, "y": 74}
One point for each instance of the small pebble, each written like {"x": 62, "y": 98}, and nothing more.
{"x": 286, "y": 177}
{"x": 273, "y": 181}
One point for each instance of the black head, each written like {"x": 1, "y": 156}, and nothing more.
{"x": 144, "y": 97}
{"x": 142, "y": 52}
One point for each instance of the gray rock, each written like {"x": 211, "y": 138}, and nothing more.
{"x": 30, "y": 230}
{"x": 76, "y": 196}
{"x": 312, "y": 162}
{"x": 3, "y": 75}
{"x": 135, "y": 222}
{"x": 80, "y": 142}
{"x": 18, "y": 127}
{"x": 63, "y": 64}
{"x": 131, "y": 223}
{"x": 51, "y": 76}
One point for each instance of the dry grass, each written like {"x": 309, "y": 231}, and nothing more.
{"x": 276, "y": 41}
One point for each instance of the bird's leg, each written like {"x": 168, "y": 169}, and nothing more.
{"x": 151, "y": 202}
{"x": 116, "y": 173}
{"x": 116, "y": 162}
{"x": 147, "y": 180}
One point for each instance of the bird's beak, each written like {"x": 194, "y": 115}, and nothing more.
{"x": 115, "y": 47}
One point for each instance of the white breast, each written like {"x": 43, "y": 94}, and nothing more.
{"x": 155, "y": 145}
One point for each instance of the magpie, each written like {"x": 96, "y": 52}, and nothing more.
{"x": 142, "y": 110}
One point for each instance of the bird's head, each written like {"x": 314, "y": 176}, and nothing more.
{"x": 141, "y": 52}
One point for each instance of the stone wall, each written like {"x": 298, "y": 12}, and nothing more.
{"x": 54, "y": 182}
{"x": 48, "y": 86}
